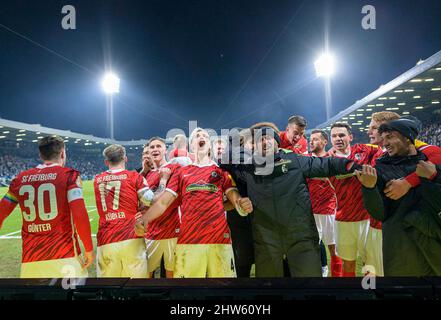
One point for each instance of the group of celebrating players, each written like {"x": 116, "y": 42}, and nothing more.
{"x": 194, "y": 212}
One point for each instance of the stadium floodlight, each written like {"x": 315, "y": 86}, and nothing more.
{"x": 325, "y": 65}
{"x": 110, "y": 83}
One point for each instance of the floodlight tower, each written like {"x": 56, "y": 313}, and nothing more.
{"x": 110, "y": 85}
{"x": 325, "y": 68}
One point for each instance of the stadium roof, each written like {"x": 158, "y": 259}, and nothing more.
{"x": 416, "y": 92}
{"x": 19, "y": 131}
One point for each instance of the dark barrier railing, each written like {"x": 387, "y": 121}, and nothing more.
{"x": 222, "y": 289}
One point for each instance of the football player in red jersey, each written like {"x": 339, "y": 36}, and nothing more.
{"x": 162, "y": 233}
{"x": 54, "y": 215}
{"x": 352, "y": 224}
{"x": 324, "y": 202}
{"x": 121, "y": 253}
{"x": 293, "y": 138}
{"x": 146, "y": 161}
{"x": 204, "y": 244}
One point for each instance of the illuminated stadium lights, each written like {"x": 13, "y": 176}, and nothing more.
{"x": 19, "y": 139}
{"x": 391, "y": 109}
{"x": 368, "y": 109}
{"x": 20, "y": 135}
{"x": 325, "y": 65}
{"x": 401, "y": 104}
{"x": 398, "y": 91}
{"x": 2, "y": 137}
{"x": 369, "y": 117}
{"x": 34, "y": 140}
{"x": 416, "y": 80}
{"x": 356, "y": 124}
{"x": 435, "y": 102}
{"x": 409, "y": 90}
{"x": 359, "y": 114}
{"x": 66, "y": 140}
{"x": 371, "y": 105}
{"x": 416, "y": 97}
{"x": 392, "y": 98}
{"x": 436, "y": 89}
{"x": 406, "y": 112}
{"x": 345, "y": 118}
{"x": 5, "y": 132}
{"x": 110, "y": 83}
{"x": 419, "y": 107}
{"x": 22, "y": 130}
{"x": 429, "y": 80}
{"x": 382, "y": 98}
{"x": 40, "y": 137}
{"x": 380, "y": 105}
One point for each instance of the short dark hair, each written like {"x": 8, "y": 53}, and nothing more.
{"x": 50, "y": 147}
{"x": 322, "y": 133}
{"x": 298, "y": 120}
{"x": 153, "y": 139}
{"x": 342, "y": 125}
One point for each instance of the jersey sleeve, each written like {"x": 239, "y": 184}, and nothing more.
{"x": 78, "y": 208}
{"x": 8, "y": 203}
{"x": 228, "y": 182}
{"x": 174, "y": 183}
{"x": 74, "y": 186}
{"x": 145, "y": 194}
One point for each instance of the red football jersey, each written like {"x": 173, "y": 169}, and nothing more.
{"x": 301, "y": 147}
{"x": 116, "y": 196}
{"x": 322, "y": 194}
{"x": 201, "y": 189}
{"x": 349, "y": 197}
{"x": 167, "y": 225}
{"x": 43, "y": 194}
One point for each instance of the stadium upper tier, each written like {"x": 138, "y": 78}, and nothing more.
{"x": 416, "y": 92}
{"x": 19, "y": 131}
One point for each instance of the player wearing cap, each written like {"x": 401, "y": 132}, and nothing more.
{"x": 54, "y": 216}
{"x": 411, "y": 224}
{"x": 283, "y": 224}
{"x": 352, "y": 219}
{"x": 204, "y": 244}
{"x": 120, "y": 253}
{"x": 162, "y": 233}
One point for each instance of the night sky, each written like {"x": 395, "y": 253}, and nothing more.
{"x": 223, "y": 63}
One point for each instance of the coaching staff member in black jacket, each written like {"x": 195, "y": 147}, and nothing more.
{"x": 411, "y": 224}
{"x": 283, "y": 224}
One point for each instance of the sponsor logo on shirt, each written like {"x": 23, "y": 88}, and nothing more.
{"x": 201, "y": 186}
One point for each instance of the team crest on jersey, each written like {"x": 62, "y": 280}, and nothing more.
{"x": 201, "y": 186}
{"x": 357, "y": 156}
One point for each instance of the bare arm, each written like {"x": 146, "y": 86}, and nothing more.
{"x": 242, "y": 205}
{"x": 159, "y": 207}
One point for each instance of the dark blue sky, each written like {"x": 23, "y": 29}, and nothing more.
{"x": 189, "y": 60}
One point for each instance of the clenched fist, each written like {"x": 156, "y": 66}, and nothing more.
{"x": 244, "y": 206}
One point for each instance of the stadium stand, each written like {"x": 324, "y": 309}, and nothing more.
{"x": 18, "y": 150}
